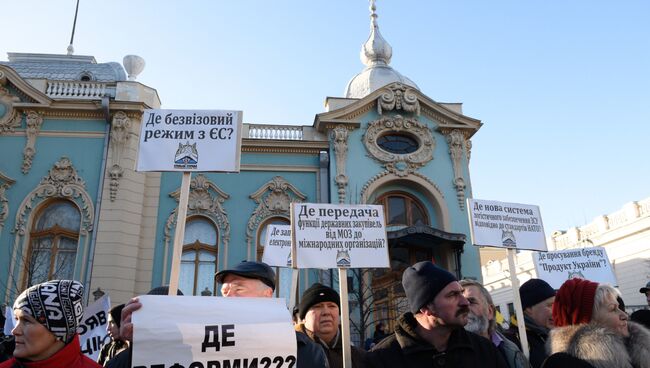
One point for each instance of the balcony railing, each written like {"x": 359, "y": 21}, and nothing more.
{"x": 76, "y": 90}
{"x": 277, "y": 132}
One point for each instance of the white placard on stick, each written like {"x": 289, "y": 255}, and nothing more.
{"x": 587, "y": 263}
{"x": 506, "y": 225}
{"x": 195, "y": 331}
{"x": 338, "y": 236}
{"x": 190, "y": 140}
{"x": 277, "y": 246}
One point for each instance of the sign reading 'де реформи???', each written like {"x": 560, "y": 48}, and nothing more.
{"x": 190, "y": 140}
{"x": 506, "y": 225}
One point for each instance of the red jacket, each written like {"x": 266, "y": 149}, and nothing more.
{"x": 70, "y": 356}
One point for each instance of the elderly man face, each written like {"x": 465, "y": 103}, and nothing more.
{"x": 323, "y": 320}
{"x": 238, "y": 286}
{"x": 480, "y": 312}
{"x": 542, "y": 313}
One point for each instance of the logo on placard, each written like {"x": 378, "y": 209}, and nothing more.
{"x": 575, "y": 275}
{"x": 187, "y": 156}
{"x": 508, "y": 238}
{"x": 342, "y": 258}
{"x": 289, "y": 260}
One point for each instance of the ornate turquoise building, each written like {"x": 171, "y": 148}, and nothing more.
{"x": 71, "y": 204}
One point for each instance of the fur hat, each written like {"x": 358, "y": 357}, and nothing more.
{"x": 574, "y": 302}
{"x": 317, "y": 293}
{"x": 534, "y": 291}
{"x": 422, "y": 282}
{"x": 56, "y": 304}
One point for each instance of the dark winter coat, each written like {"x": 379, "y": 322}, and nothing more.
{"x": 110, "y": 350}
{"x": 537, "y": 336}
{"x": 310, "y": 354}
{"x": 70, "y": 357}
{"x": 334, "y": 351}
{"x": 406, "y": 349}
{"x": 511, "y": 353}
{"x": 601, "y": 347}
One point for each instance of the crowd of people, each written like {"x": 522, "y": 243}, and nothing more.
{"x": 450, "y": 323}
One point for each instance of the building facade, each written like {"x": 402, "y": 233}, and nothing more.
{"x": 71, "y": 205}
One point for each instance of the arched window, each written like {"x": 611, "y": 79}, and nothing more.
{"x": 53, "y": 243}
{"x": 402, "y": 209}
{"x": 199, "y": 259}
{"x": 282, "y": 275}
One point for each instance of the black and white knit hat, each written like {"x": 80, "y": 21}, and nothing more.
{"x": 56, "y": 304}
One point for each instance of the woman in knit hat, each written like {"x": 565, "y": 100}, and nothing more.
{"x": 590, "y": 327}
{"x": 47, "y": 316}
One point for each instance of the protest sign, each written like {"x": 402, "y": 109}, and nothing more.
{"x": 277, "y": 246}
{"x": 190, "y": 140}
{"x": 338, "y": 236}
{"x": 92, "y": 330}
{"x": 506, "y": 225}
{"x": 586, "y": 263}
{"x": 202, "y": 332}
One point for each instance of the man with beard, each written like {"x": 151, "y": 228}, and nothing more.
{"x": 482, "y": 321}
{"x": 432, "y": 334}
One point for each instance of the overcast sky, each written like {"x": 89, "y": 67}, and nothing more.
{"x": 562, "y": 87}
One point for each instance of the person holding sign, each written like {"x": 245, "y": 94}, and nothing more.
{"x": 432, "y": 333}
{"x": 116, "y": 345}
{"x": 47, "y": 316}
{"x": 319, "y": 315}
{"x": 257, "y": 279}
{"x": 482, "y": 321}
{"x": 590, "y": 327}
{"x": 537, "y": 298}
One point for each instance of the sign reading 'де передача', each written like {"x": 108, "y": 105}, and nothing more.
{"x": 190, "y": 140}
{"x": 212, "y": 332}
{"x": 338, "y": 236}
{"x": 506, "y": 225}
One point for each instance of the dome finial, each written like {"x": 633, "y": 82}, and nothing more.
{"x": 376, "y": 50}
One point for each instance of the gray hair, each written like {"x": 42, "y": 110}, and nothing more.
{"x": 602, "y": 292}
{"x": 488, "y": 299}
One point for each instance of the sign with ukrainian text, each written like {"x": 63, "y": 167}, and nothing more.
{"x": 506, "y": 225}
{"x": 190, "y": 140}
{"x": 196, "y": 331}
{"x": 585, "y": 263}
{"x": 277, "y": 246}
{"x": 338, "y": 236}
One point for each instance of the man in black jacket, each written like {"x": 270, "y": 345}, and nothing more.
{"x": 537, "y": 298}
{"x": 432, "y": 334}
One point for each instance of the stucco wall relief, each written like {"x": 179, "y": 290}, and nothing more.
{"x": 273, "y": 199}
{"x": 339, "y": 136}
{"x": 398, "y": 96}
{"x": 5, "y": 183}
{"x": 9, "y": 116}
{"x": 400, "y": 164}
{"x": 34, "y": 122}
{"x": 120, "y": 133}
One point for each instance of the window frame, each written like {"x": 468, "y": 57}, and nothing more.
{"x": 409, "y": 199}
{"x": 197, "y": 247}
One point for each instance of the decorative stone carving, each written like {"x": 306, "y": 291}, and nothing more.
{"x": 34, "y": 123}
{"x": 5, "y": 183}
{"x": 468, "y": 144}
{"x": 400, "y": 164}
{"x": 398, "y": 96}
{"x": 9, "y": 117}
{"x": 120, "y": 133}
{"x": 273, "y": 200}
{"x": 205, "y": 199}
{"x": 456, "y": 140}
{"x": 61, "y": 182}
{"x": 339, "y": 136}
